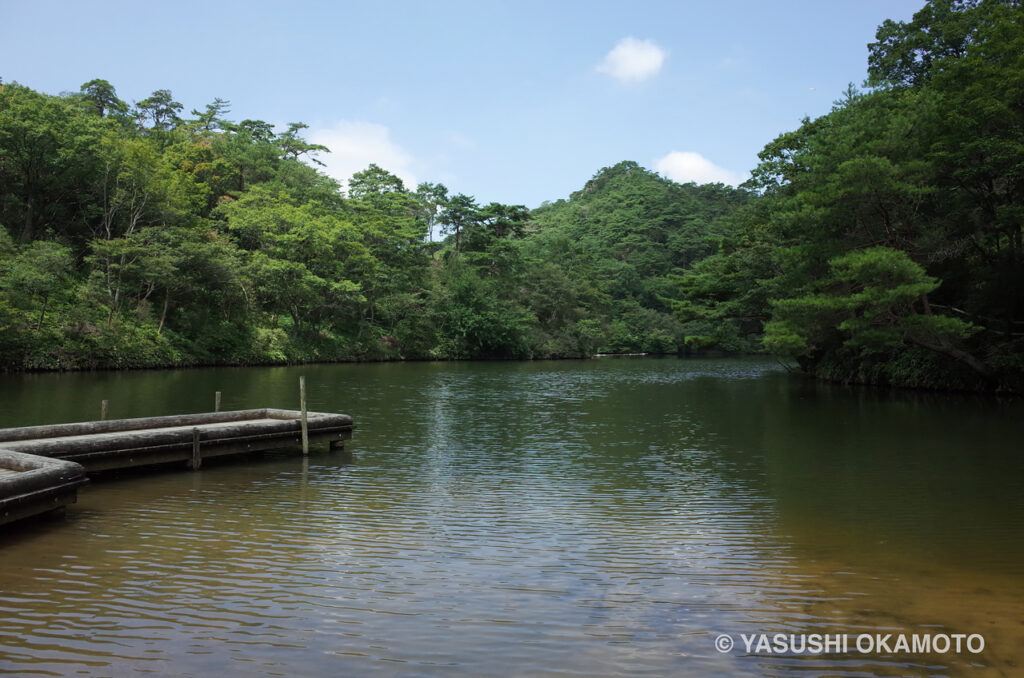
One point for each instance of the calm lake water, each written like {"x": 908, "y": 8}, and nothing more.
{"x": 610, "y": 517}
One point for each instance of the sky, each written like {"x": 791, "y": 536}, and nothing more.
{"x": 516, "y": 102}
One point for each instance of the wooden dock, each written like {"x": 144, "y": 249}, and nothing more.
{"x": 42, "y": 467}
{"x": 123, "y": 443}
{"x": 30, "y": 484}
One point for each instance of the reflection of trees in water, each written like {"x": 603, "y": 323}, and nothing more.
{"x": 924, "y": 476}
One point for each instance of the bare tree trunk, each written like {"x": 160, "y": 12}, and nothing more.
{"x": 958, "y": 354}
{"x": 943, "y": 346}
{"x": 28, "y": 228}
{"x": 42, "y": 313}
{"x": 163, "y": 316}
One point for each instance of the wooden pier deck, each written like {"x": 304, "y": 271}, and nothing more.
{"x": 42, "y": 467}
{"x": 122, "y": 443}
{"x": 30, "y": 484}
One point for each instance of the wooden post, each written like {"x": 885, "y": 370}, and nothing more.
{"x": 216, "y": 401}
{"x": 104, "y": 406}
{"x": 197, "y": 459}
{"x": 302, "y": 406}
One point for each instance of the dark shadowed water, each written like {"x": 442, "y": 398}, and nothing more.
{"x": 611, "y": 517}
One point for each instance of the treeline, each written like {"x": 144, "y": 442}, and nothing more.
{"x": 880, "y": 243}
{"x": 135, "y": 236}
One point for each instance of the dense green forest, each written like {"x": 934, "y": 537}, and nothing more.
{"x": 885, "y": 244}
{"x": 880, "y": 243}
{"x": 137, "y": 237}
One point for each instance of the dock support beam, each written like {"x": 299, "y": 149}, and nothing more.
{"x": 104, "y": 406}
{"x": 197, "y": 459}
{"x": 302, "y": 406}
{"x": 216, "y": 401}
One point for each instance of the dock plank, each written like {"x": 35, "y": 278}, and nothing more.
{"x": 117, "y": 435}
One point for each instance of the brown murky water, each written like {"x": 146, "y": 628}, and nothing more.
{"x": 598, "y": 518}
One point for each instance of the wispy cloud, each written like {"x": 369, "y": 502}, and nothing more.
{"x": 633, "y": 60}
{"x": 686, "y": 166}
{"x": 356, "y": 144}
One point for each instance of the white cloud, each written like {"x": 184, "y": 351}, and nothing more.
{"x": 633, "y": 60}
{"x": 355, "y": 145}
{"x": 685, "y": 166}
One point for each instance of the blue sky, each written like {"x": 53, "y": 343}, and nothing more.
{"x": 515, "y": 102}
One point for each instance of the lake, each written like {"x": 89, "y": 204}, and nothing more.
{"x": 610, "y": 517}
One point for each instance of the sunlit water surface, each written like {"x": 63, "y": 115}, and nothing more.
{"x": 596, "y": 518}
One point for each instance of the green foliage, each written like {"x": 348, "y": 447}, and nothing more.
{"x": 293, "y": 146}
{"x": 474, "y": 321}
{"x": 910, "y": 53}
{"x": 205, "y": 240}
{"x": 102, "y": 98}
{"x": 48, "y": 161}
{"x": 624, "y": 240}
{"x": 160, "y": 109}
{"x": 895, "y": 221}
{"x": 868, "y": 299}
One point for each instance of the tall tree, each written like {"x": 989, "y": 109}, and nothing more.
{"x": 461, "y": 212}
{"x": 211, "y": 119}
{"x": 160, "y": 108}
{"x": 373, "y": 182}
{"x": 294, "y": 146}
{"x": 431, "y": 199}
{"x": 103, "y": 97}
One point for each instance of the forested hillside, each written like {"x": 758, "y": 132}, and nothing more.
{"x": 135, "y": 236}
{"x": 610, "y": 257}
{"x": 880, "y": 243}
